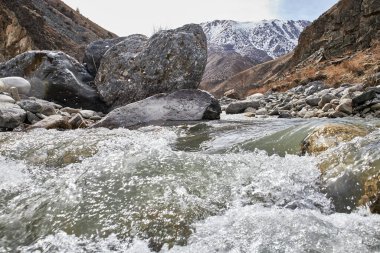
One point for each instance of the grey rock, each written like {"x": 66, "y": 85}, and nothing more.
{"x": 37, "y": 106}
{"x": 95, "y": 51}
{"x": 11, "y": 115}
{"x": 23, "y": 86}
{"x": 56, "y": 77}
{"x": 345, "y": 106}
{"x": 182, "y": 105}
{"x": 6, "y": 99}
{"x": 364, "y": 97}
{"x": 326, "y": 99}
{"x": 137, "y": 68}
{"x": 32, "y": 118}
{"x": 375, "y": 107}
{"x": 314, "y": 87}
{"x": 261, "y": 111}
{"x": 312, "y": 100}
{"x": 87, "y": 113}
{"x": 241, "y": 106}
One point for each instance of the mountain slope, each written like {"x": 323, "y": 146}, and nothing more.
{"x": 236, "y": 46}
{"x": 45, "y": 24}
{"x": 342, "y": 45}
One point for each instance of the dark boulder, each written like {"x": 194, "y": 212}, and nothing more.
{"x": 137, "y": 68}
{"x": 55, "y": 76}
{"x": 95, "y": 51}
{"x": 364, "y": 97}
{"x": 181, "y": 105}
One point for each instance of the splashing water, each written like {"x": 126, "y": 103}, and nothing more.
{"x": 210, "y": 187}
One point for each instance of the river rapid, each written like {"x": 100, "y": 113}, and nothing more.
{"x": 234, "y": 185}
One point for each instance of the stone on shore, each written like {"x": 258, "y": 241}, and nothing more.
{"x": 182, "y": 105}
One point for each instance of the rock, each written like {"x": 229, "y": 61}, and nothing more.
{"x": 249, "y": 114}
{"x": 232, "y": 94}
{"x": 256, "y": 96}
{"x": 77, "y": 122}
{"x": 250, "y": 109}
{"x": 310, "y": 114}
{"x": 6, "y": 99}
{"x": 345, "y": 106}
{"x": 32, "y": 118}
{"x": 314, "y": 87}
{"x": 241, "y": 106}
{"x": 327, "y": 107}
{"x": 374, "y": 107}
{"x": 11, "y": 115}
{"x": 182, "y": 105}
{"x": 330, "y": 135}
{"x": 55, "y": 76}
{"x": 261, "y": 111}
{"x": 375, "y": 205}
{"x": 283, "y": 114}
{"x": 137, "y": 68}
{"x": 52, "y": 122}
{"x": 325, "y": 99}
{"x": 37, "y": 106}
{"x": 23, "y": 86}
{"x": 14, "y": 93}
{"x": 337, "y": 114}
{"x": 70, "y": 110}
{"x": 312, "y": 100}
{"x": 87, "y": 114}
{"x": 364, "y": 97}
{"x": 95, "y": 51}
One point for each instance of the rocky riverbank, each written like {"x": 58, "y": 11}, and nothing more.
{"x": 315, "y": 99}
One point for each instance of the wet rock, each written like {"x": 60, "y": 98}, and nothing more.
{"x": 241, "y": 106}
{"x": 182, "y": 105}
{"x": 345, "y": 106}
{"x": 137, "y": 68}
{"x": 6, "y": 99}
{"x": 330, "y": 135}
{"x": 56, "y": 77}
{"x": 77, "y": 122}
{"x": 37, "y": 106}
{"x": 52, "y": 122}
{"x": 23, "y": 86}
{"x": 11, "y": 115}
{"x": 95, "y": 51}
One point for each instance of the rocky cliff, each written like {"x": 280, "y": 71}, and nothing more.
{"x": 47, "y": 25}
{"x": 341, "y": 46}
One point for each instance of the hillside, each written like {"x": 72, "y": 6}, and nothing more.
{"x": 341, "y": 46}
{"x": 45, "y": 24}
{"x": 236, "y": 46}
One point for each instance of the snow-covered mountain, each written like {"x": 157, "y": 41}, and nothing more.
{"x": 255, "y": 40}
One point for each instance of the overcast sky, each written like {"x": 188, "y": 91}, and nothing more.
{"x": 125, "y": 17}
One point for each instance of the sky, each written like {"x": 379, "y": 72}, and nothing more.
{"x": 125, "y": 17}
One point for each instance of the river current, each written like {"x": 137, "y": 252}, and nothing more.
{"x": 234, "y": 185}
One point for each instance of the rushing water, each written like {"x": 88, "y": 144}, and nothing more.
{"x": 235, "y": 185}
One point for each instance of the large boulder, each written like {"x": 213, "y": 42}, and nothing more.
{"x": 182, "y": 105}
{"x": 94, "y": 53}
{"x": 11, "y": 115}
{"x": 137, "y": 68}
{"x": 55, "y": 76}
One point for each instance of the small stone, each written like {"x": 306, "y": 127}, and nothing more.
{"x": 32, "y": 118}
{"x": 77, "y": 122}
{"x": 87, "y": 114}
{"x": 261, "y": 111}
{"x": 345, "y": 106}
{"x": 52, "y": 122}
{"x": 70, "y": 110}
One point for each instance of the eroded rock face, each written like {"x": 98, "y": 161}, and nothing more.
{"x": 182, "y": 105}
{"x": 137, "y": 68}
{"x": 330, "y": 135}
{"x": 47, "y": 25}
{"x": 56, "y": 77}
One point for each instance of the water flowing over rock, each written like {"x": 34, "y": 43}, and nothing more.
{"x": 137, "y": 68}
{"x": 55, "y": 76}
{"x": 182, "y": 105}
